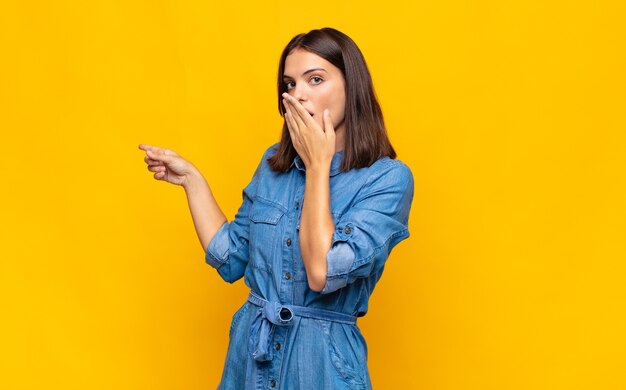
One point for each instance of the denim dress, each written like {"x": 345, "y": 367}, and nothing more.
{"x": 287, "y": 336}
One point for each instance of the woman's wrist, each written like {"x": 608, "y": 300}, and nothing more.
{"x": 194, "y": 180}
{"x": 322, "y": 168}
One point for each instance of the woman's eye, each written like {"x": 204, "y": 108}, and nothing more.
{"x": 288, "y": 85}
{"x": 316, "y": 79}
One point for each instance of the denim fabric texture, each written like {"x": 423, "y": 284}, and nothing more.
{"x": 272, "y": 346}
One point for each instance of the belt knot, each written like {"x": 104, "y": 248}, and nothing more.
{"x": 272, "y": 314}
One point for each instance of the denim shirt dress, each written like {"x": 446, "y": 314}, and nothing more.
{"x": 287, "y": 336}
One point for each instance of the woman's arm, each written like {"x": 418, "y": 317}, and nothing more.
{"x": 316, "y": 225}
{"x": 205, "y": 212}
{"x": 316, "y": 148}
{"x": 168, "y": 166}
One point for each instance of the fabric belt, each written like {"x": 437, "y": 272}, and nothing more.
{"x": 272, "y": 314}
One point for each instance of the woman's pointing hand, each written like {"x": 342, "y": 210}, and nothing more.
{"x": 167, "y": 165}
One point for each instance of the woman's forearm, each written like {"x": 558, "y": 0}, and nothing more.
{"x": 316, "y": 226}
{"x": 205, "y": 212}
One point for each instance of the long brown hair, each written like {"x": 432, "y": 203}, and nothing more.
{"x": 365, "y": 134}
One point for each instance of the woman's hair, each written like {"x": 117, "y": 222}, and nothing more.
{"x": 365, "y": 135}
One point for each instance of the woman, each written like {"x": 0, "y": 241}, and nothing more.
{"x": 320, "y": 216}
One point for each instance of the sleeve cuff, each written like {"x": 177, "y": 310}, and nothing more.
{"x": 217, "y": 251}
{"x": 339, "y": 261}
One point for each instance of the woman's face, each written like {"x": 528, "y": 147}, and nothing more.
{"x": 316, "y": 84}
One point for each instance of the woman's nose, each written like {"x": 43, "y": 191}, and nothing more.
{"x": 299, "y": 93}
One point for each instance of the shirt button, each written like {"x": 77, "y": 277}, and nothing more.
{"x": 288, "y": 275}
{"x": 347, "y": 230}
{"x": 277, "y": 346}
{"x": 289, "y": 242}
{"x": 297, "y": 206}
{"x": 272, "y": 383}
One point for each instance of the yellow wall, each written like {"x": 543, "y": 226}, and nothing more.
{"x": 510, "y": 114}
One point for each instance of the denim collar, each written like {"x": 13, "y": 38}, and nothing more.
{"x": 335, "y": 164}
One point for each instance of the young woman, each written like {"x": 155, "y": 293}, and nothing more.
{"x": 320, "y": 216}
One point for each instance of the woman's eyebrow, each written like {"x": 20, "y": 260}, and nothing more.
{"x": 306, "y": 72}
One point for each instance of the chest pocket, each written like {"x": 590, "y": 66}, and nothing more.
{"x": 264, "y": 232}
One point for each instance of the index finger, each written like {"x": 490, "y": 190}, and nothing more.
{"x": 299, "y": 108}
{"x": 147, "y": 147}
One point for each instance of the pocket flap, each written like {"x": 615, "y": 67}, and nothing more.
{"x": 265, "y": 212}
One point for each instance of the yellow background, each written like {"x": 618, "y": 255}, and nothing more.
{"x": 511, "y": 115}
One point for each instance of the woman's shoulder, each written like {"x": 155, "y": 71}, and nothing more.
{"x": 270, "y": 151}
{"x": 267, "y": 153}
{"x": 390, "y": 168}
{"x": 264, "y": 167}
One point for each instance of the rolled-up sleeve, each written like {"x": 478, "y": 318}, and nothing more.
{"x": 365, "y": 235}
{"x": 228, "y": 250}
